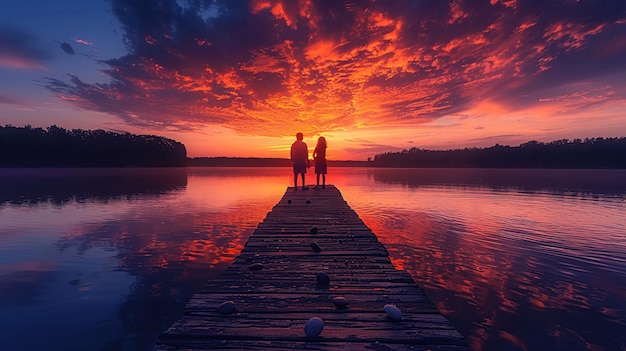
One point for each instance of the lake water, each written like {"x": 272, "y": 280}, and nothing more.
{"x": 105, "y": 259}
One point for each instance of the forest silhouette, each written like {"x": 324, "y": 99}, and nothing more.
{"x": 588, "y": 153}
{"x": 58, "y": 147}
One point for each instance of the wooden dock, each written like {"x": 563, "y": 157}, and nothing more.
{"x": 273, "y": 284}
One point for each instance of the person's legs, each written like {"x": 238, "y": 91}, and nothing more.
{"x": 303, "y": 183}
{"x": 295, "y": 181}
{"x": 323, "y": 181}
{"x": 317, "y": 176}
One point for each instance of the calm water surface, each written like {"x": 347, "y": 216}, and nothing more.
{"x": 105, "y": 259}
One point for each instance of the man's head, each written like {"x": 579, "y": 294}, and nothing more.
{"x": 299, "y": 136}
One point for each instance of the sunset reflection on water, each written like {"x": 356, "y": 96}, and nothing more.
{"x": 220, "y": 213}
{"x": 514, "y": 269}
{"x": 516, "y": 259}
{"x": 75, "y": 251}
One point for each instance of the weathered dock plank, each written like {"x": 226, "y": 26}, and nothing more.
{"x": 273, "y": 286}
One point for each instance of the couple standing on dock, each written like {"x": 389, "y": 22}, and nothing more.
{"x": 300, "y": 161}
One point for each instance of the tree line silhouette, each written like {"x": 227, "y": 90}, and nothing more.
{"x": 587, "y": 153}
{"x": 59, "y": 147}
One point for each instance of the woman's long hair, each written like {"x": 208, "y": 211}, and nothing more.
{"x": 321, "y": 142}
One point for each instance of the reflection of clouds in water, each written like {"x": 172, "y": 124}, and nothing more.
{"x": 491, "y": 261}
{"x": 171, "y": 246}
{"x": 151, "y": 236}
{"x": 22, "y": 282}
{"x": 169, "y": 243}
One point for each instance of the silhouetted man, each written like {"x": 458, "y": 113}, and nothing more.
{"x": 299, "y": 160}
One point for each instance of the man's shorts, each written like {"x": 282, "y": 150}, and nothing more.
{"x": 299, "y": 169}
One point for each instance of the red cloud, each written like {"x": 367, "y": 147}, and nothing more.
{"x": 272, "y": 67}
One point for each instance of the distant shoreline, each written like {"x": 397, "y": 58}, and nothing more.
{"x": 262, "y": 162}
{"x": 283, "y": 162}
{"x": 273, "y": 163}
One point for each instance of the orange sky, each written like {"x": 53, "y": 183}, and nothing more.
{"x": 240, "y": 79}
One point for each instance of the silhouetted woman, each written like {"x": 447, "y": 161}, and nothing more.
{"x": 319, "y": 155}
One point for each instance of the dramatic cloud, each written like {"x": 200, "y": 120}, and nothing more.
{"x": 20, "y": 50}
{"x": 271, "y": 67}
{"x": 67, "y": 48}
